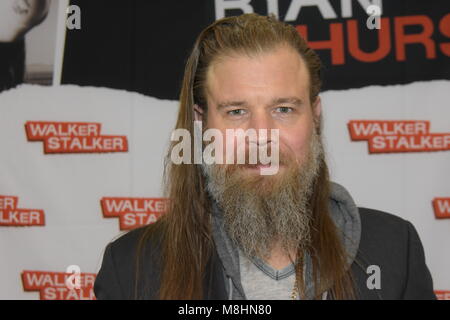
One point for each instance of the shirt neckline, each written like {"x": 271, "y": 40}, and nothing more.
{"x": 270, "y": 271}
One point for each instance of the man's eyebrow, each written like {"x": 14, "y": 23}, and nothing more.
{"x": 225, "y": 104}
{"x": 275, "y": 101}
{"x": 292, "y": 100}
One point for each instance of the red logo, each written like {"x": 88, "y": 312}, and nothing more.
{"x": 442, "y": 294}
{"x": 441, "y": 208}
{"x": 10, "y": 215}
{"x": 393, "y": 136}
{"x": 133, "y": 212}
{"x": 53, "y": 285}
{"x": 74, "y": 137}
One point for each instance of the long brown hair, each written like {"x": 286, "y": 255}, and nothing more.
{"x": 187, "y": 241}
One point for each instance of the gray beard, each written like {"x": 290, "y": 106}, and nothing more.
{"x": 263, "y": 211}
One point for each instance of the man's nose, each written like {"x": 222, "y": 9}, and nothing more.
{"x": 262, "y": 123}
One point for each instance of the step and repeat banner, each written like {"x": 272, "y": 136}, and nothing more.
{"x": 88, "y": 100}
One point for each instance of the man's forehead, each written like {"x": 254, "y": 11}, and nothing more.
{"x": 235, "y": 78}
{"x": 273, "y": 60}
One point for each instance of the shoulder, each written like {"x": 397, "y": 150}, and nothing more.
{"x": 381, "y": 220}
{"x": 123, "y": 259}
{"x": 148, "y": 237}
{"x": 393, "y": 244}
{"x": 382, "y": 230}
{"x": 127, "y": 242}
{"x": 378, "y": 216}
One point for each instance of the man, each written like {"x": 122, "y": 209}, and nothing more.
{"x": 232, "y": 233}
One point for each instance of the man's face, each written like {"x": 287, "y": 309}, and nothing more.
{"x": 270, "y": 91}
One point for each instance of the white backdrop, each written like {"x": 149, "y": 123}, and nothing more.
{"x": 69, "y": 187}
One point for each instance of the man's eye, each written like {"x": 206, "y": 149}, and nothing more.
{"x": 284, "y": 109}
{"x": 236, "y": 112}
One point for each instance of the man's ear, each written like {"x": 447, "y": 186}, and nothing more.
{"x": 198, "y": 113}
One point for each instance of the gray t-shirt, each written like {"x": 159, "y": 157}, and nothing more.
{"x": 262, "y": 282}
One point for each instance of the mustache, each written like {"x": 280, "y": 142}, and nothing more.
{"x": 285, "y": 159}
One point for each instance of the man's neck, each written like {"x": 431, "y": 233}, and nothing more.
{"x": 279, "y": 259}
